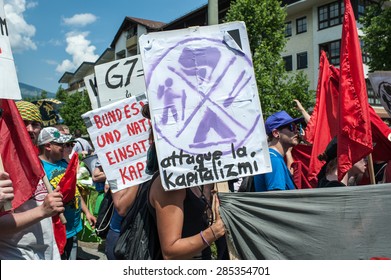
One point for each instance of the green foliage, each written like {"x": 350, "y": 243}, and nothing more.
{"x": 43, "y": 95}
{"x": 74, "y": 105}
{"x": 377, "y": 40}
{"x": 265, "y": 23}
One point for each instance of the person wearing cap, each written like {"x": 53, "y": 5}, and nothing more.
{"x": 51, "y": 146}
{"x": 27, "y": 231}
{"x": 282, "y": 131}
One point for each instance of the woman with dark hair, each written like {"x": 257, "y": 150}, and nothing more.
{"x": 328, "y": 176}
{"x": 182, "y": 216}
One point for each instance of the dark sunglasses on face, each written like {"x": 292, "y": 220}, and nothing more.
{"x": 66, "y": 145}
{"x": 292, "y": 127}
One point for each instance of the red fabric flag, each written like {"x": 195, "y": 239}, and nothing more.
{"x": 301, "y": 155}
{"x": 381, "y": 135}
{"x": 354, "y": 128}
{"x": 322, "y": 126}
{"x": 67, "y": 183}
{"x": 18, "y": 154}
{"x": 67, "y": 186}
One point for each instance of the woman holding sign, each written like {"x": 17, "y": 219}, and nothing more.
{"x": 185, "y": 231}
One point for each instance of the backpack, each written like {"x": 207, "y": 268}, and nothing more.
{"x": 106, "y": 211}
{"x": 139, "y": 239}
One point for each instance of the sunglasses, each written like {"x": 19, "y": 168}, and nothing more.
{"x": 66, "y": 145}
{"x": 292, "y": 127}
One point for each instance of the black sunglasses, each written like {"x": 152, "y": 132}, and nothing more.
{"x": 292, "y": 127}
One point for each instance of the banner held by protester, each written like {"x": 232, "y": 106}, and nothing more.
{"x": 205, "y": 108}
{"x": 9, "y": 86}
{"x": 120, "y": 135}
{"x": 120, "y": 79}
{"x": 381, "y": 84}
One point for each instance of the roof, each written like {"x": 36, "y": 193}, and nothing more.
{"x": 129, "y": 21}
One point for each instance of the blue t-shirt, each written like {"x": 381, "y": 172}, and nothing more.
{"x": 279, "y": 179}
{"x": 72, "y": 213}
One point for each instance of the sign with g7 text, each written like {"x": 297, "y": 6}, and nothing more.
{"x": 204, "y": 103}
{"x": 120, "y": 134}
{"x": 9, "y": 86}
{"x": 120, "y": 79}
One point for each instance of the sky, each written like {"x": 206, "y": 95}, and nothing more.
{"x": 50, "y": 37}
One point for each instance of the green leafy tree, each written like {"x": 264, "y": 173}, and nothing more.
{"x": 74, "y": 105}
{"x": 377, "y": 40}
{"x": 265, "y": 23}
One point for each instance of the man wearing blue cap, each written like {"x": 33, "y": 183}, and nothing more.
{"x": 282, "y": 133}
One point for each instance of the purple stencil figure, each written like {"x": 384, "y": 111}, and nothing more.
{"x": 212, "y": 121}
{"x": 165, "y": 91}
{"x": 197, "y": 61}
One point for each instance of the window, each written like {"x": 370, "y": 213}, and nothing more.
{"x": 362, "y": 5}
{"x": 373, "y": 99}
{"x": 330, "y": 15}
{"x": 365, "y": 55}
{"x": 288, "y": 29}
{"x": 301, "y": 25}
{"x": 333, "y": 51}
{"x": 302, "y": 61}
{"x": 288, "y": 62}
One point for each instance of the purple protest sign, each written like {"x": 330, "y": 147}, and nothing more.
{"x": 204, "y": 102}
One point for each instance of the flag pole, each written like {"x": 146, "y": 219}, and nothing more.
{"x": 371, "y": 170}
{"x": 7, "y": 205}
{"x": 50, "y": 190}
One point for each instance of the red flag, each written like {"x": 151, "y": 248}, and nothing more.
{"x": 354, "y": 128}
{"x": 381, "y": 135}
{"x": 301, "y": 155}
{"x": 322, "y": 126}
{"x": 67, "y": 187}
{"x": 67, "y": 183}
{"x": 18, "y": 154}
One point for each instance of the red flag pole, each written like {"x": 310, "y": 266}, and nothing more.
{"x": 7, "y": 205}
{"x": 50, "y": 190}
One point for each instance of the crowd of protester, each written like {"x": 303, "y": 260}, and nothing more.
{"x": 186, "y": 223}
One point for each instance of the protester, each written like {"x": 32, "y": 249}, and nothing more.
{"x": 328, "y": 176}
{"x": 282, "y": 133}
{"x": 180, "y": 215}
{"x": 51, "y": 144}
{"x": 27, "y": 232}
{"x": 82, "y": 146}
{"x": 6, "y": 189}
{"x": 68, "y": 147}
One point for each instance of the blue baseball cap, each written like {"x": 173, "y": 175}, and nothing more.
{"x": 279, "y": 119}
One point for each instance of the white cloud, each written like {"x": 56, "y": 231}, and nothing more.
{"x": 20, "y": 32}
{"x": 80, "y": 20}
{"x": 80, "y": 49}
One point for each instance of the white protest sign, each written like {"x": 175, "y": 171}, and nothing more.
{"x": 120, "y": 79}
{"x": 93, "y": 94}
{"x": 381, "y": 84}
{"x": 9, "y": 86}
{"x": 204, "y": 104}
{"x": 120, "y": 134}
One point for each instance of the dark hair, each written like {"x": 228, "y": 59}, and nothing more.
{"x": 330, "y": 152}
{"x": 145, "y": 111}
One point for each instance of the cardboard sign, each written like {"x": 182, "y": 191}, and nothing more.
{"x": 92, "y": 89}
{"x": 120, "y": 134}
{"x": 381, "y": 84}
{"x": 120, "y": 79}
{"x": 9, "y": 86}
{"x": 204, "y": 104}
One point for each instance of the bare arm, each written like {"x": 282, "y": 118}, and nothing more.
{"x": 91, "y": 218}
{"x": 13, "y": 222}
{"x": 301, "y": 109}
{"x": 170, "y": 216}
{"x": 124, "y": 199}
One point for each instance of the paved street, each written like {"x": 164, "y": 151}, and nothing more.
{"x": 91, "y": 251}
